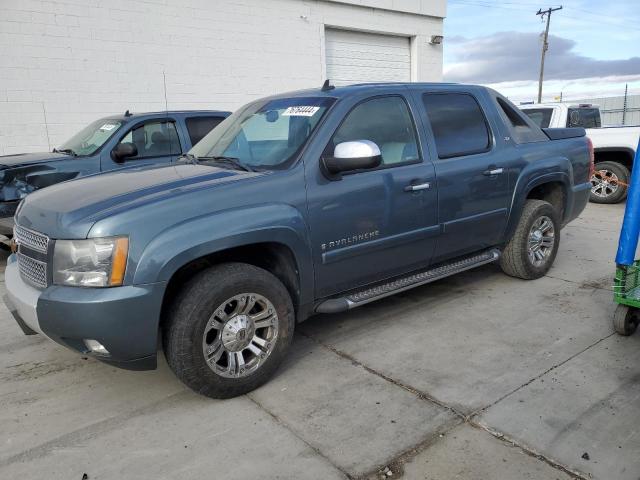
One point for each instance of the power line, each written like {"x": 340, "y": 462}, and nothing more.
{"x": 545, "y": 44}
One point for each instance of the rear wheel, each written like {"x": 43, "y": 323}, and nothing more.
{"x": 228, "y": 330}
{"x": 625, "y": 320}
{"x": 609, "y": 183}
{"x": 534, "y": 245}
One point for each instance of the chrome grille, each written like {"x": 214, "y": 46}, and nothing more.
{"x": 32, "y": 271}
{"x": 31, "y": 239}
{"x": 32, "y": 255}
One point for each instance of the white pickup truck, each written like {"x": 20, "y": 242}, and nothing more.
{"x": 614, "y": 147}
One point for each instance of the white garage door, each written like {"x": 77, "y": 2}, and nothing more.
{"x": 357, "y": 57}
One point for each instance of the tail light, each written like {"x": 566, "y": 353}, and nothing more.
{"x": 592, "y": 162}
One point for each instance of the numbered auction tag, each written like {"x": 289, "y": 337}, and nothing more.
{"x": 301, "y": 111}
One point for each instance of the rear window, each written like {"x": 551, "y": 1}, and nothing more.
{"x": 540, "y": 116}
{"x": 198, "y": 127}
{"x": 458, "y": 124}
{"x": 584, "y": 117}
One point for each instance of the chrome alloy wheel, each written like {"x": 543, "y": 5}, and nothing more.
{"x": 240, "y": 335}
{"x": 541, "y": 241}
{"x": 604, "y": 183}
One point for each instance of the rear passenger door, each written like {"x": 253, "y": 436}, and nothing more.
{"x": 472, "y": 174}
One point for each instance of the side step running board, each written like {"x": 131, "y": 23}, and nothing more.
{"x": 371, "y": 294}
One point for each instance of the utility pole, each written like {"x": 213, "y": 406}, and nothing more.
{"x": 545, "y": 45}
{"x": 624, "y": 104}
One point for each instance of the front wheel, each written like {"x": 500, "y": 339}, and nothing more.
{"x": 609, "y": 183}
{"x": 534, "y": 245}
{"x": 228, "y": 330}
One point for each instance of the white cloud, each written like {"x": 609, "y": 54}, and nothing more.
{"x": 515, "y": 56}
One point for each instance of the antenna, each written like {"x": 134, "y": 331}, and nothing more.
{"x": 166, "y": 104}
{"x": 166, "y": 113}
{"x": 46, "y": 125}
{"x": 327, "y": 86}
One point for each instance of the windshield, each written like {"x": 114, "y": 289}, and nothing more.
{"x": 265, "y": 134}
{"x": 91, "y": 138}
{"x": 540, "y": 116}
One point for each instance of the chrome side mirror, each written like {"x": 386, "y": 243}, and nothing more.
{"x": 349, "y": 156}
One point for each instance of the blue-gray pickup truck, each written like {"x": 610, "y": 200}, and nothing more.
{"x": 106, "y": 144}
{"x": 316, "y": 201}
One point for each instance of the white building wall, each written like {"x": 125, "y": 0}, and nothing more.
{"x": 72, "y": 61}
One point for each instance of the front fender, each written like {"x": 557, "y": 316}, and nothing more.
{"x": 201, "y": 236}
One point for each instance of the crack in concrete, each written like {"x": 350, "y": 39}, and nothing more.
{"x": 529, "y": 451}
{"x": 106, "y": 425}
{"x": 282, "y": 423}
{"x": 537, "y": 377}
{"x": 582, "y": 284}
{"x": 421, "y": 395}
{"x": 396, "y": 464}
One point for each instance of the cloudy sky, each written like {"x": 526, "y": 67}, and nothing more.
{"x": 594, "y": 47}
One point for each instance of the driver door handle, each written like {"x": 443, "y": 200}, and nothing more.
{"x": 495, "y": 171}
{"x": 418, "y": 187}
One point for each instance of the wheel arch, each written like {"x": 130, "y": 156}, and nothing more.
{"x": 553, "y": 187}
{"x": 620, "y": 155}
{"x": 275, "y": 257}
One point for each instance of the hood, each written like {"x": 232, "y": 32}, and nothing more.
{"x": 69, "y": 209}
{"x": 20, "y": 159}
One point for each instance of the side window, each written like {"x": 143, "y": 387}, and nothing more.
{"x": 198, "y": 127}
{"x": 519, "y": 125}
{"x": 512, "y": 117}
{"x": 387, "y": 122}
{"x": 458, "y": 124}
{"x": 154, "y": 139}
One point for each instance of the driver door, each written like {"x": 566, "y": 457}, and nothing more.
{"x": 156, "y": 142}
{"x": 370, "y": 225}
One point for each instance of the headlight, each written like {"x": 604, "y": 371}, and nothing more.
{"x": 95, "y": 262}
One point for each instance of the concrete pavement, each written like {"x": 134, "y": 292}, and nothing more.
{"x": 477, "y": 376}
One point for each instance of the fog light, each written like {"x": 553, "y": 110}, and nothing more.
{"x": 96, "y": 347}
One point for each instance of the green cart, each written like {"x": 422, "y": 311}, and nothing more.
{"x": 626, "y": 289}
{"x": 626, "y": 292}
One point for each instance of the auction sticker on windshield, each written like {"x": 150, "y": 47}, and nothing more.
{"x": 108, "y": 126}
{"x": 300, "y": 111}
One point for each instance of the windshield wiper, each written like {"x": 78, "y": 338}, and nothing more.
{"x": 231, "y": 161}
{"x": 66, "y": 151}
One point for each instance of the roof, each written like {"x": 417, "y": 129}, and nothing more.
{"x": 342, "y": 91}
{"x": 557, "y": 104}
{"x": 137, "y": 115}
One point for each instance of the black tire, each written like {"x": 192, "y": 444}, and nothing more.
{"x": 190, "y": 315}
{"x": 515, "y": 259}
{"x": 625, "y": 320}
{"x": 609, "y": 169}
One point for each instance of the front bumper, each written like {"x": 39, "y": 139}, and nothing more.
{"x": 123, "y": 319}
